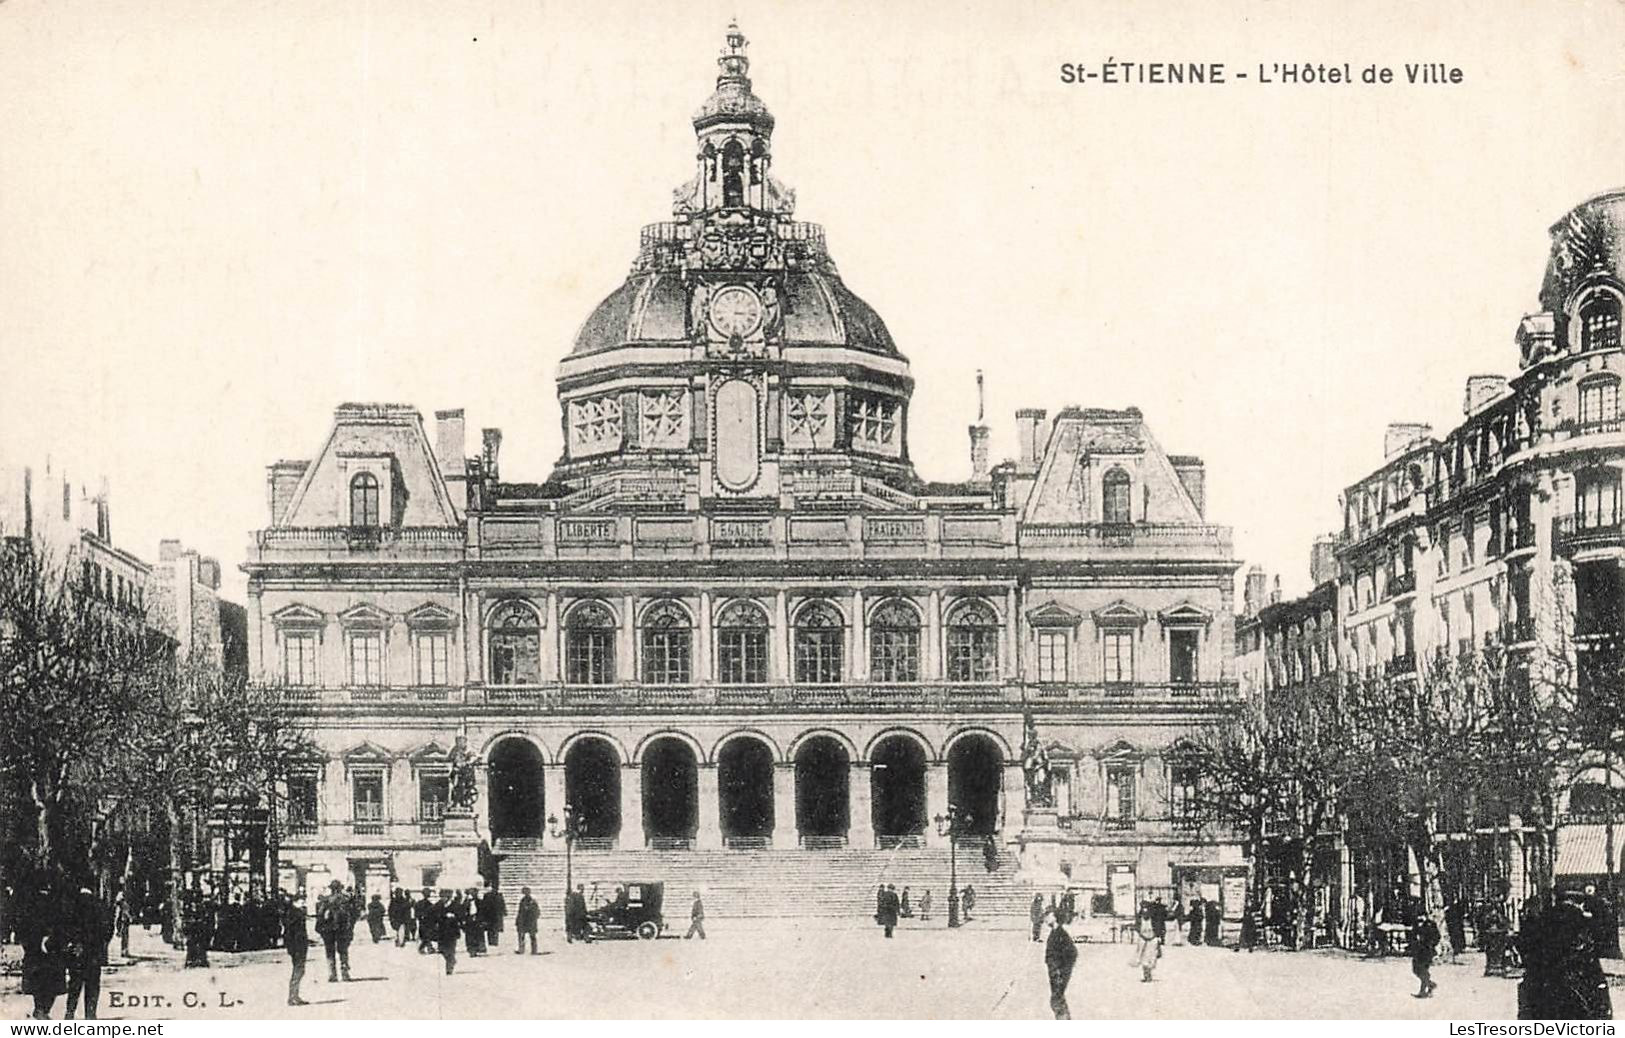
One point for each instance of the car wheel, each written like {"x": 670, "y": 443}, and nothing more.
{"x": 648, "y": 931}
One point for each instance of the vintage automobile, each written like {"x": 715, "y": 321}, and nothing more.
{"x": 634, "y": 912}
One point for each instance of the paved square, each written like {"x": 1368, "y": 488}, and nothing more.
{"x": 796, "y": 970}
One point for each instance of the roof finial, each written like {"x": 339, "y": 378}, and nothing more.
{"x": 733, "y": 62}
{"x": 980, "y": 396}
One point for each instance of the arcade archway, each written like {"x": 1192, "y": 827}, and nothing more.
{"x": 745, "y": 785}
{"x": 592, "y": 786}
{"x": 975, "y": 777}
{"x": 823, "y": 771}
{"x": 671, "y": 782}
{"x": 897, "y": 782}
{"x": 518, "y": 808}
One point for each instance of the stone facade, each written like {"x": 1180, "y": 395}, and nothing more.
{"x": 734, "y": 616}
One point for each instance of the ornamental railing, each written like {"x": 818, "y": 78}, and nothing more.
{"x": 1572, "y": 533}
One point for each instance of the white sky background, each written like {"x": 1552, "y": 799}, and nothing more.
{"x": 220, "y": 220}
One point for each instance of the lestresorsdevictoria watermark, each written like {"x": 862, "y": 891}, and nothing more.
{"x": 1531, "y": 1029}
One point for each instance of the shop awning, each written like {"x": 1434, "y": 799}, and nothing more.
{"x": 1582, "y": 850}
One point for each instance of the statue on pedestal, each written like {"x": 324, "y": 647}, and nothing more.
{"x": 464, "y": 785}
{"x": 1035, "y": 762}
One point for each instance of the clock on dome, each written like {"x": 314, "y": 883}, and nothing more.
{"x": 735, "y": 311}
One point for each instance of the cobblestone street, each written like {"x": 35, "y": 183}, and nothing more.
{"x": 796, "y": 970}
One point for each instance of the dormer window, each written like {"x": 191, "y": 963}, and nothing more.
{"x": 364, "y": 500}
{"x": 1116, "y": 497}
{"x": 1599, "y": 322}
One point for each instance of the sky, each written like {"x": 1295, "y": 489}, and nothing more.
{"x": 219, "y": 221}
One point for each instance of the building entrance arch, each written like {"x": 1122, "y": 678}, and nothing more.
{"x": 745, "y": 785}
{"x": 823, "y": 773}
{"x": 897, "y": 784}
{"x": 517, "y": 804}
{"x": 975, "y": 779}
{"x": 671, "y": 783}
{"x": 592, "y": 786}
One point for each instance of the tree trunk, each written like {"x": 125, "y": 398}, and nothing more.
{"x": 1303, "y": 911}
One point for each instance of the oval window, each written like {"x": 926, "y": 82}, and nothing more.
{"x": 738, "y": 444}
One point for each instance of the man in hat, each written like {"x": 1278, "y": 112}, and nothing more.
{"x": 575, "y": 915}
{"x": 423, "y": 910}
{"x": 1060, "y": 954}
{"x": 1424, "y": 946}
{"x": 90, "y": 928}
{"x": 696, "y": 918}
{"x": 335, "y": 925}
{"x": 1563, "y": 979}
{"x": 297, "y": 942}
{"x": 446, "y": 923}
{"x": 524, "y": 921}
{"x": 493, "y": 913}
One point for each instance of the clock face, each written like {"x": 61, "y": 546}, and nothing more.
{"x": 735, "y": 311}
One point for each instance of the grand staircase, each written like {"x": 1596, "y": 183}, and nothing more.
{"x": 803, "y": 884}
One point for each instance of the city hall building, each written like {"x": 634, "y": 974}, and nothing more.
{"x": 734, "y": 623}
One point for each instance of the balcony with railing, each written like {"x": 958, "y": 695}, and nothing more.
{"x": 1400, "y": 584}
{"x": 1575, "y": 533}
{"x": 369, "y": 819}
{"x": 339, "y": 543}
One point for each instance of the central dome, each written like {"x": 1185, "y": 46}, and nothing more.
{"x": 652, "y": 308}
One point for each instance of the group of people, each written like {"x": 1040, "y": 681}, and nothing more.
{"x": 64, "y": 928}
{"x": 892, "y": 907}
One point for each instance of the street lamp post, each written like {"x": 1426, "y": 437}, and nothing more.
{"x": 568, "y": 831}
{"x": 949, "y": 825}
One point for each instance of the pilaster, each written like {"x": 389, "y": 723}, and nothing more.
{"x": 936, "y": 798}
{"x": 860, "y": 831}
{"x": 784, "y": 803}
{"x": 632, "y": 837}
{"x": 709, "y": 836}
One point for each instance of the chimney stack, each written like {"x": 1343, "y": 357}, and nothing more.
{"x": 283, "y": 479}
{"x": 450, "y": 444}
{"x": 1031, "y": 435}
{"x": 1402, "y": 436}
{"x": 1323, "y": 560}
{"x": 1482, "y": 390}
{"x": 492, "y": 442}
{"x": 1193, "y": 477}
{"x": 1275, "y": 592}
{"x": 1252, "y": 595}
{"x": 978, "y": 453}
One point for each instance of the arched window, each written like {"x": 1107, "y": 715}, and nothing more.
{"x": 742, "y": 645}
{"x": 894, "y": 643}
{"x": 516, "y": 646}
{"x": 667, "y": 641}
{"x": 973, "y": 643}
{"x": 589, "y": 645}
{"x": 1599, "y": 322}
{"x": 364, "y": 500}
{"x": 1599, "y": 400}
{"x": 820, "y": 644}
{"x": 733, "y": 179}
{"x": 1115, "y": 497}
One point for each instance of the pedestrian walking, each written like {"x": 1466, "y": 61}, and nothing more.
{"x": 197, "y": 923}
{"x": 1060, "y": 954}
{"x": 524, "y": 922}
{"x": 1212, "y": 923}
{"x": 39, "y": 931}
{"x": 1424, "y": 946}
{"x": 335, "y": 925}
{"x": 886, "y": 916}
{"x": 1036, "y": 914}
{"x": 905, "y": 909}
{"x": 410, "y": 904}
{"x": 423, "y": 912}
{"x": 494, "y": 914}
{"x": 968, "y": 901}
{"x": 1455, "y": 925}
{"x": 91, "y": 930}
{"x": 446, "y": 924}
{"x": 473, "y": 924}
{"x": 375, "y": 919}
{"x": 121, "y": 924}
{"x": 696, "y": 918}
{"x": 399, "y": 913}
{"x": 1198, "y": 913}
{"x": 925, "y": 907}
{"x": 1159, "y": 920}
{"x": 575, "y": 915}
{"x": 296, "y": 941}
{"x": 1148, "y": 949}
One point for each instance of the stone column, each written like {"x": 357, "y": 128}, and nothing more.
{"x": 858, "y": 665}
{"x": 932, "y": 668}
{"x": 553, "y": 798}
{"x": 626, "y": 638}
{"x": 784, "y": 803}
{"x": 632, "y": 838}
{"x": 709, "y": 836}
{"x": 936, "y": 799}
{"x": 860, "y": 832}
{"x": 703, "y": 664}
{"x": 553, "y": 648}
{"x": 779, "y": 661}
{"x": 1014, "y": 800}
